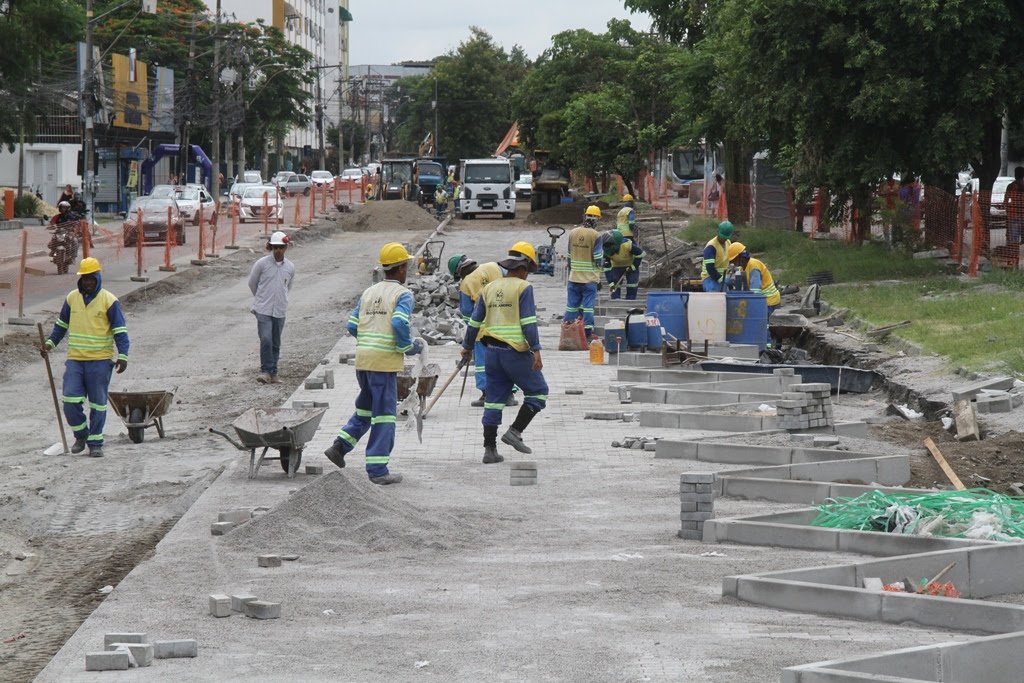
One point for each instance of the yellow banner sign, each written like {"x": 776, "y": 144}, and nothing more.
{"x": 131, "y": 95}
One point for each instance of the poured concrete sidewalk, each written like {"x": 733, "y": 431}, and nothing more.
{"x": 578, "y": 578}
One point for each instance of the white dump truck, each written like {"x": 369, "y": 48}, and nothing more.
{"x": 488, "y": 187}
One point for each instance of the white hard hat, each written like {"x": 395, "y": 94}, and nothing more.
{"x": 278, "y": 238}
{"x": 64, "y": 203}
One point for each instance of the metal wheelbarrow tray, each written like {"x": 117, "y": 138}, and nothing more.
{"x": 284, "y": 429}
{"x": 141, "y": 410}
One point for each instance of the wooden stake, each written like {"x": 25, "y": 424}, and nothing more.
{"x": 53, "y": 390}
{"x": 943, "y": 465}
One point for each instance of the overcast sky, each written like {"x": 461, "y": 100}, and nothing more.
{"x": 389, "y": 32}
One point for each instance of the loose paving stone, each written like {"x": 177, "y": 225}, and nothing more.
{"x": 124, "y": 638}
{"x": 220, "y": 605}
{"x": 602, "y": 416}
{"x": 240, "y": 600}
{"x": 269, "y": 560}
{"x": 313, "y": 384}
{"x": 289, "y": 558}
{"x": 221, "y": 528}
{"x": 574, "y": 392}
{"x": 314, "y": 469}
{"x": 235, "y": 516}
{"x": 141, "y": 653}
{"x": 261, "y": 609}
{"x": 523, "y": 465}
{"x": 173, "y": 649}
{"x": 116, "y": 660}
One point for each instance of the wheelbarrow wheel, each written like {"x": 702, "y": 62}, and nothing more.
{"x": 287, "y": 455}
{"x": 136, "y": 434}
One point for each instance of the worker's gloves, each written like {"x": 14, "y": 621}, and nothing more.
{"x": 467, "y": 355}
{"x": 632, "y": 268}
{"x": 607, "y": 263}
{"x": 45, "y": 349}
{"x": 417, "y": 348}
{"x": 121, "y": 365}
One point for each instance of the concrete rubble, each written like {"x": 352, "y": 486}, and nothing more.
{"x": 437, "y": 319}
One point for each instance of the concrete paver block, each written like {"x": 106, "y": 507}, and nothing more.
{"x": 235, "y": 516}
{"x": 172, "y": 649}
{"x": 971, "y": 390}
{"x": 110, "y": 638}
{"x": 268, "y": 560}
{"x": 313, "y": 384}
{"x": 141, "y": 653}
{"x": 329, "y": 379}
{"x": 690, "y": 534}
{"x": 314, "y": 469}
{"x": 262, "y": 609}
{"x": 302, "y": 404}
{"x": 574, "y": 392}
{"x": 220, "y": 605}
{"x": 821, "y": 441}
{"x": 523, "y": 465}
{"x": 695, "y": 516}
{"x": 240, "y": 600}
{"x": 115, "y": 660}
{"x": 602, "y": 415}
{"x": 221, "y": 528}
{"x": 523, "y": 481}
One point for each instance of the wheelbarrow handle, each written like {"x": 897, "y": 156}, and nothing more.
{"x": 230, "y": 440}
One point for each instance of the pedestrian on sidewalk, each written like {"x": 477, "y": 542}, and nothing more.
{"x": 380, "y": 324}
{"x": 585, "y": 253}
{"x": 270, "y": 280}
{"x": 716, "y": 259}
{"x": 505, "y": 320}
{"x": 92, "y": 318}
{"x": 472, "y": 279}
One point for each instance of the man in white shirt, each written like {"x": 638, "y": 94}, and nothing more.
{"x": 270, "y": 281}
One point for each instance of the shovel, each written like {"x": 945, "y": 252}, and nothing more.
{"x": 52, "y": 450}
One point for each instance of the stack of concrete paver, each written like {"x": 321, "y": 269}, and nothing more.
{"x": 697, "y": 503}
{"x": 523, "y": 473}
{"x": 437, "y": 317}
{"x": 125, "y": 650}
{"x": 805, "y": 406}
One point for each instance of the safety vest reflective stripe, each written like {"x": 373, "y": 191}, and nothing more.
{"x": 484, "y": 274}
{"x": 377, "y": 459}
{"x": 768, "y": 288}
{"x": 721, "y": 259}
{"x": 502, "y": 320}
{"x": 376, "y": 347}
{"x": 90, "y": 336}
{"x": 383, "y": 419}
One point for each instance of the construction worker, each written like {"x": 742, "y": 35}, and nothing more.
{"x": 505, "y": 320}
{"x": 758, "y": 278}
{"x": 716, "y": 259}
{"x": 270, "y": 280}
{"x": 623, "y": 264}
{"x": 92, "y": 318}
{"x": 368, "y": 193}
{"x": 585, "y": 252}
{"x": 380, "y": 324}
{"x": 440, "y": 201}
{"x": 625, "y": 220}
{"x": 472, "y": 279}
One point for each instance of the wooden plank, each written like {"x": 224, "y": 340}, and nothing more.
{"x": 943, "y": 465}
{"x": 34, "y": 271}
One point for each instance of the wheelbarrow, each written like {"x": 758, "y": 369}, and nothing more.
{"x": 141, "y": 410}
{"x": 284, "y": 429}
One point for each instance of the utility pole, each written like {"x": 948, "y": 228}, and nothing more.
{"x": 341, "y": 126}
{"x": 437, "y": 146}
{"x": 185, "y": 148}
{"x": 322, "y": 154}
{"x": 88, "y": 142}
{"x": 215, "y": 180}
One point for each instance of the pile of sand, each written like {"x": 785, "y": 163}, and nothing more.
{"x": 395, "y": 214}
{"x": 343, "y": 511}
{"x": 569, "y": 214}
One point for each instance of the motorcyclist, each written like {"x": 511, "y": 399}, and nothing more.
{"x": 63, "y": 244}
{"x": 66, "y": 215}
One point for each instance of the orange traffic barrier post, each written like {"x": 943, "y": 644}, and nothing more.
{"x": 167, "y": 267}
{"x": 212, "y": 253}
{"x": 298, "y": 213}
{"x": 312, "y": 204}
{"x": 350, "y": 184}
{"x": 323, "y": 200}
{"x": 200, "y": 259}
{"x": 83, "y": 230}
{"x": 234, "y": 226}
{"x": 213, "y": 238}
{"x": 22, "y": 269}
{"x": 961, "y": 218}
{"x": 140, "y": 237}
{"x": 266, "y": 214}
{"x": 976, "y": 230}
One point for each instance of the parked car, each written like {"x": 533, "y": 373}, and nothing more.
{"x": 524, "y": 186}
{"x": 193, "y": 201}
{"x": 154, "y": 221}
{"x": 238, "y": 189}
{"x": 296, "y": 183}
{"x": 250, "y": 208}
{"x": 353, "y": 175}
{"x": 254, "y": 177}
{"x": 321, "y": 178}
{"x": 162, "y": 191}
{"x": 278, "y": 177}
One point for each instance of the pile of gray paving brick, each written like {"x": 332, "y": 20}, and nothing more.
{"x": 523, "y": 473}
{"x": 437, "y": 316}
{"x": 697, "y": 503}
{"x": 637, "y": 443}
{"x": 122, "y": 651}
{"x": 222, "y": 605}
{"x": 806, "y": 406}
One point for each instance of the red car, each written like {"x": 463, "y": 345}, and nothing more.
{"x": 154, "y": 221}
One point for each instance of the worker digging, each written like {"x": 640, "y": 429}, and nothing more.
{"x": 472, "y": 279}
{"x": 380, "y": 324}
{"x": 505, "y": 320}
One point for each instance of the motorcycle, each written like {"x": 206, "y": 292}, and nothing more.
{"x": 63, "y": 246}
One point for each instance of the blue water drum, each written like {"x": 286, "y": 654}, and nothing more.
{"x": 746, "y": 318}
{"x": 653, "y": 332}
{"x": 636, "y": 330}
{"x": 670, "y": 307}
{"x": 615, "y": 329}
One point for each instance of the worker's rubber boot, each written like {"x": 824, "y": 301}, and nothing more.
{"x": 479, "y": 403}
{"x": 96, "y": 452}
{"x": 491, "y": 455}
{"x": 514, "y": 436}
{"x": 512, "y": 400}
{"x": 335, "y": 454}
{"x": 389, "y": 478}
{"x": 78, "y": 446}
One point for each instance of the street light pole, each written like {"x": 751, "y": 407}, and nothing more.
{"x": 215, "y": 179}
{"x": 88, "y": 141}
{"x": 437, "y": 146}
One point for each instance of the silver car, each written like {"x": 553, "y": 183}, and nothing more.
{"x": 296, "y": 183}
{"x": 255, "y": 198}
{"x": 321, "y": 178}
{"x": 193, "y": 201}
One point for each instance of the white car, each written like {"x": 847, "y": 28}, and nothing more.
{"x": 524, "y": 186}
{"x": 193, "y": 201}
{"x": 353, "y": 175}
{"x": 254, "y": 177}
{"x": 996, "y": 207}
{"x": 321, "y": 178}
{"x": 253, "y": 200}
{"x": 279, "y": 177}
{"x": 162, "y": 191}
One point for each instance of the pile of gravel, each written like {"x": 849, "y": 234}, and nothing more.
{"x": 344, "y": 512}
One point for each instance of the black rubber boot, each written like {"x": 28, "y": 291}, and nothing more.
{"x": 479, "y": 403}
{"x": 514, "y": 436}
{"x": 79, "y": 445}
{"x": 389, "y": 478}
{"x": 491, "y": 455}
{"x": 335, "y": 454}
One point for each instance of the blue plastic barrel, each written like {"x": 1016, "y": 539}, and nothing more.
{"x": 636, "y": 330}
{"x": 653, "y": 332}
{"x": 746, "y": 318}
{"x": 670, "y": 307}
{"x": 613, "y": 329}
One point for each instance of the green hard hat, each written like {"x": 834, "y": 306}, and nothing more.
{"x": 617, "y": 236}
{"x": 725, "y": 230}
{"x": 453, "y": 264}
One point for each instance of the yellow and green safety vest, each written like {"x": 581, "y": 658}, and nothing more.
{"x": 768, "y": 287}
{"x": 622, "y": 223}
{"x": 501, "y": 320}
{"x": 721, "y": 259}
{"x": 375, "y": 338}
{"x": 484, "y": 274}
{"x": 581, "y": 255}
{"x": 90, "y": 336}
{"x": 623, "y": 258}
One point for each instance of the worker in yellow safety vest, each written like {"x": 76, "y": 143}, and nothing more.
{"x": 623, "y": 264}
{"x": 716, "y": 259}
{"x": 625, "y": 220}
{"x": 586, "y": 252}
{"x": 505, "y": 321}
{"x": 758, "y": 278}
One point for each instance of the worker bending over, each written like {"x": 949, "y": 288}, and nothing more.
{"x": 472, "y": 279}
{"x": 623, "y": 264}
{"x": 505, "y": 320}
{"x": 716, "y": 259}
{"x": 758, "y": 278}
{"x": 380, "y": 324}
